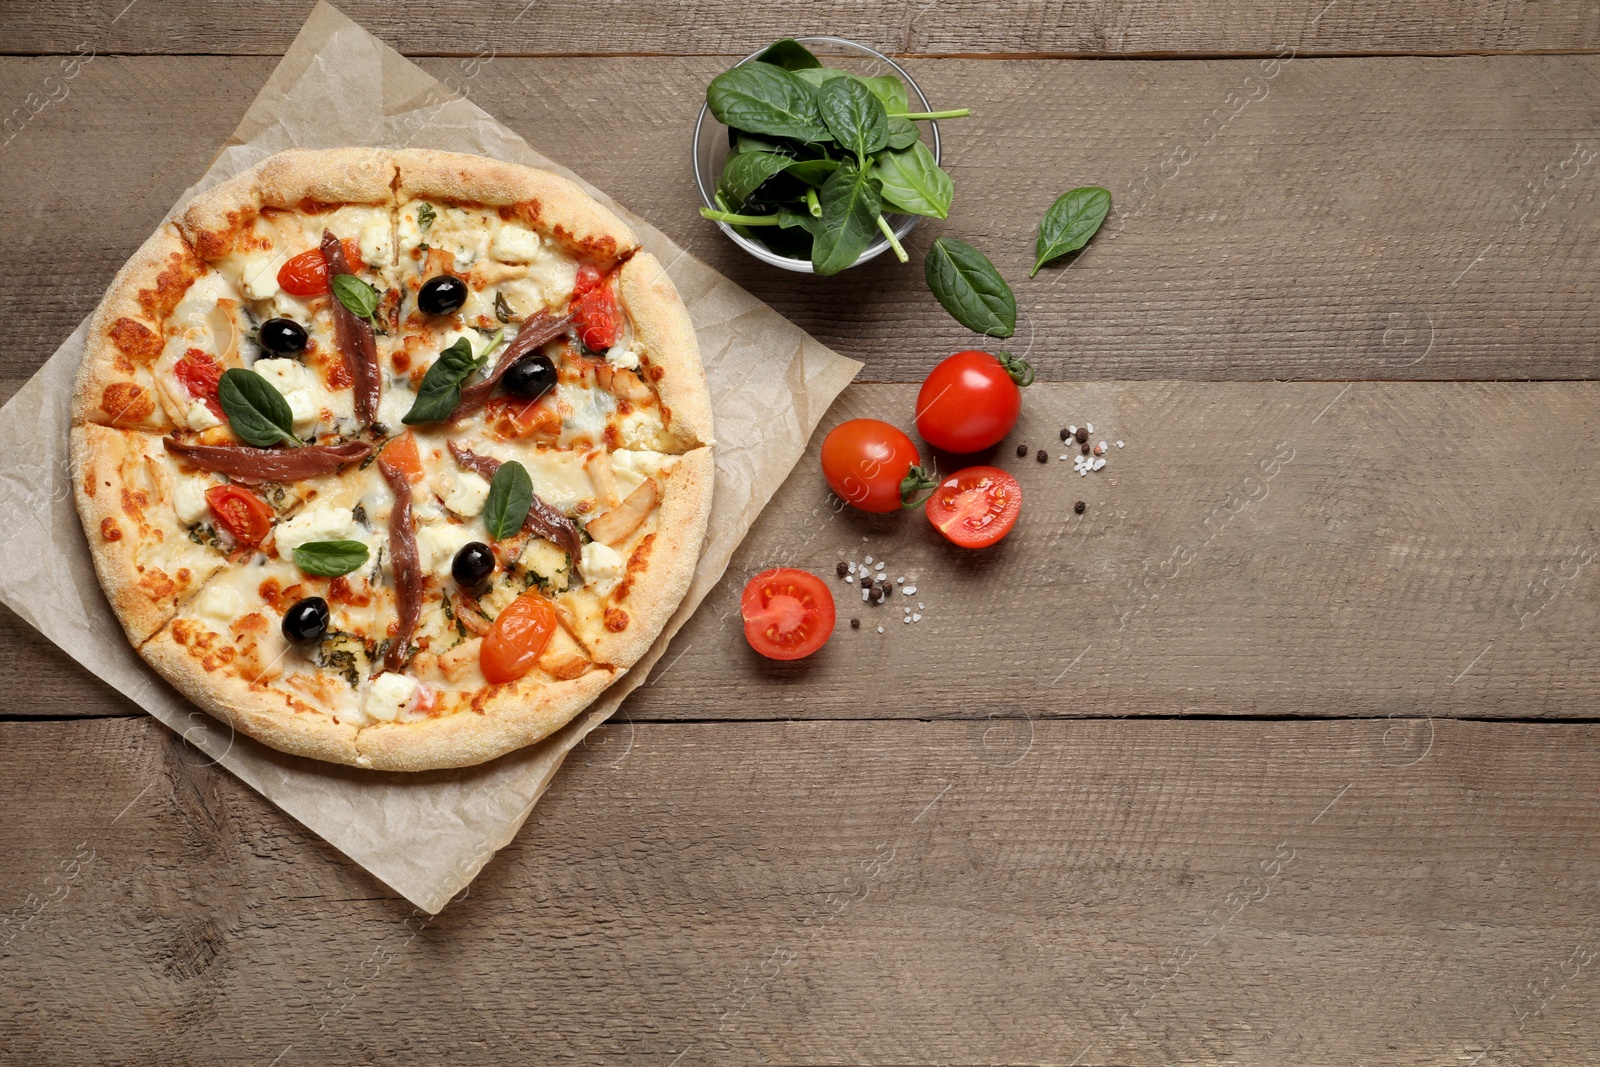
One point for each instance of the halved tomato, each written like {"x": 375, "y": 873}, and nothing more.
{"x": 975, "y": 507}
{"x": 595, "y": 316}
{"x": 307, "y": 273}
{"x": 239, "y": 511}
{"x": 517, "y": 638}
{"x": 200, "y": 375}
{"x": 588, "y": 278}
{"x": 788, "y": 613}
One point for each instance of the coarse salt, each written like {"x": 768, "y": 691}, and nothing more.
{"x": 1099, "y": 463}
{"x": 864, "y": 594}
{"x": 880, "y": 629}
{"x": 900, "y": 580}
{"x": 916, "y": 618}
{"x": 879, "y": 566}
{"x": 1072, "y": 429}
{"x": 1089, "y": 427}
{"x": 1119, "y": 444}
{"x": 921, "y": 606}
{"x": 869, "y": 560}
{"x": 909, "y": 590}
{"x": 906, "y": 620}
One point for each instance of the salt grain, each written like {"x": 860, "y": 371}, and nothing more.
{"x": 1072, "y": 429}
{"x": 879, "y": 566}
{"x": 900, "y": 580}
{"x": 869, "y": 559}
{"x": 906, "y": 620}
{"x": 1119, "y": 444}
{"x": 880, "y": 629}
{"x": 909, "y": 590}
{"x": 916, "y": 618}
{"x": 921, "y": 605}
{"x": 1089, "y": 427}
{"x": 1099, "y": 463}
{"x": 864, "y": 594}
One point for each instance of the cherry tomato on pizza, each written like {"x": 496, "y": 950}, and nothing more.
{"x": 200, "y": 375}
{"x": 517, "y": 638}
{"x": 872, "y": 465}
{"x": 307, "y": 273}
{"x": 975, "y": 507}
{"x": 245, "y": 516}
{"x": 970, "y": 401}
{"x": 595, "y": 314}
{"x": 788, "y": 613}
{"x": 588, "y": 278}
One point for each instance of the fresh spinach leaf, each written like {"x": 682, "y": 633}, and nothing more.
{"x": 890, "y": 91}
{"x": 746, "y": 172}
{"x": 330, "y": 559}
{"x": 854, "y": 116}
{"x": 510, "y": 497}
{"x": 913, "y": 182}
{"x": 812, "y": 171}
{"x": 851, "y": 201}
{"x": 789, "y": 54}
{"x": 817, "y": 77}
{"x": 971, "y": 290}
{"x": 255, "y": 409}
{"x": 903, "y": 133}
{"x": 360, "y": 298}
{"x": 764, "y": 99}
{"x": 440, "y": 390}
{"x": 1071, "y": 221}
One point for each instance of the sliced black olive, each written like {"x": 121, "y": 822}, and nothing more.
{"x": 472, "y": 564}
{"x": 306, "y": 621}
{"x": 442, "y": 294}
{"x": 283, "y": 336}
{"x": 530, "y": 377}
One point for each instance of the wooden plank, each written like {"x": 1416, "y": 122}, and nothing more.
{"x": 1363, "y": 219}
{"x": 1092, "y": 893}
{"x": 1256, "y": 549}
{"x": 960, "y": 27}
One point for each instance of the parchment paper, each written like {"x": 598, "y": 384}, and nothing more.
{"x": 425, "y": 835}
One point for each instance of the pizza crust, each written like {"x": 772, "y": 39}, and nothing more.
{"x": 662, "y": 325}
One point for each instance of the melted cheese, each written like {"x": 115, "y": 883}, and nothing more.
{"x": 437, "y": 546}
{"x": 514, "y": 244}
{"x": 584, "y": 414}
{"x": 463, "y": 492}
{"x": 603, "y": 567}
{"x": 389, "y": 696}
{"x": 189, "y": 499}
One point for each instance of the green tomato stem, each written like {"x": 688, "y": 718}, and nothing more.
{"x": 813, "y": 205}
{"x": 739, "y": 220}
{"x": 894, "y": 242}
{"x": 958, "y": 113}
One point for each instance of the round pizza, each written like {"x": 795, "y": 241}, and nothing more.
{"x": 395, "y": 459}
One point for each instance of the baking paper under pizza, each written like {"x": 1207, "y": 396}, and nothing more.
{"x": 393, "y": 459}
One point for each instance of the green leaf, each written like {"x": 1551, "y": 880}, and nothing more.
{"x": 851, "y": 202}
{"x": 426, "y": 215}
{"x": 764, "y": 99}
{"x": 903, "y": 133}
{"x": 502, "y": 309}
{"x": 746, "y": 172}
{"x": 814, "y": 172}
{"x": 890, "y": 91}
{"x": 971, "y": 290}
{"x": 913, "y": 182}
{"x": 440, "y": 390}
{"x": 1071, "y": 221}
{"x": 745, "y": 142}
{"x": 854, "y": 116}
{"x": 356, "y": 295}
{"x": 817, "y": 77}
{"x": 789, "y": 54}
{"x": 510, "y": 497}
{"x": 256, "y": 410}
{"x": 789, "y": 218}
{"x": 329, "y": 559}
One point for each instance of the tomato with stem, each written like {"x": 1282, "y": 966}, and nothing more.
{"x": 975, "y": 507}
{"x": 788, "y": 613}
{"x": 971, "y": 400}
{"x": 873, "y": 465}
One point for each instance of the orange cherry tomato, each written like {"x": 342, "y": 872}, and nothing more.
{"x": 307, "y": 273}
{"x": 239, "y": 511}
{"x": 199, "y": 375}
{"x": 595, "y": 315}
{"x": 975, "y": 507}
{"x": 401, "y": 452}
{"x": 517, "y": 638}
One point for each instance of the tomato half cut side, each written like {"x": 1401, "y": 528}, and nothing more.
{"x": 517, "y": 638}
{"x": 595, "y": 316}
{"x": 245, "y": 516}
{"x": 788, "y": 613}
{"x": 975, "y": 507}
{"x": 305, "y": 274}
{"x": 200, "y": 376}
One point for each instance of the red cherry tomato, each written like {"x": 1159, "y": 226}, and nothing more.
{"x": 239, "y": 511}
{"x": 307, "y": 273}
{"x": 971, "y": 401}
{"x": 199, "y": 374}
{"x": 517, "y": 638}
{"x": 788, "y": 613}
{"x": 872, "y": 465}
{"x": 595, "y": 312}
{"x": 588, "y": 278}
{"x": 975, "y": 507}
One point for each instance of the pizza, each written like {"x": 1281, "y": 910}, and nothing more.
{"x": 395, "y": 459}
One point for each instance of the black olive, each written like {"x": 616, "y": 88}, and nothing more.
{"x": 442, "y": 294}
{"x": 472, "y": 564}
{"x": 306, "y": 620}
{"x": 283, "y": 336}
{"x": 531, "y": 377}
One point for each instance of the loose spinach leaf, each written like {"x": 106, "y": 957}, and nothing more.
{"x": 812, "y": 171}
{"x": 854, "y": 116}
{"x": 746, "y": 172}
{"x": 510, "y": 497}
{"x": 789, "y": 54}
{"x": 1071, "y": 221}
{"x": 356, "y": 295}
{"x": 764, "y": 99}
{"x": 425, "y": 217}
{"x": 971, "y": 290}
{"x": 330, "y": 559}
{"x": 440, "y": 390}
{"x": 255, "y": 409}
{"x": 903, "y": 133}
{"x": 851, "y": 201}
{"x": 913, "y": 182}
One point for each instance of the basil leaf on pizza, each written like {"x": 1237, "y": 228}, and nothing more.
{"x": 330, "y": 559}
{"x": 510, "y": 497}
{"x": 256, "y": 411}
{"x": 440, "y": 390}
{"x": 356, "y": 295}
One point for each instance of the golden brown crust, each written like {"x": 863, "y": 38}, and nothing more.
{"x": 116, "y": 385}
{"x": 147, "y": 565}
{"x": 662, "y": 325}
{"x": 545, "y": 201}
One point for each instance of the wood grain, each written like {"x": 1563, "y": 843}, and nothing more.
{"x": 1435, "y": 223}
{"x": 1091, "y": 893}
{"x": 944, "y": 27}
{"x": 1257, "y": 549}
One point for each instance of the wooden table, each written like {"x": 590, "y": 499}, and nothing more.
{"x": 1283, "y": 752}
